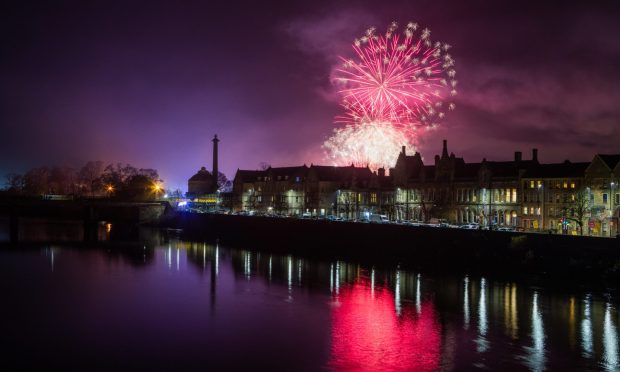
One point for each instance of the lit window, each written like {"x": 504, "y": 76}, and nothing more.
{"x": 539, "y": 183}
{"x": 532, "y": 184}
{"x": 572, "y": 185}
{"x": 565, "y": 184}
{"x": 572, "y": 197}
{"x": 514, "y": 195}
{"x": 525, "y": 210}
{"x": 373, "y": 198}
{"x": 531, "y": 210}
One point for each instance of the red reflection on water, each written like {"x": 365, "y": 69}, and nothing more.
{"x": 367, "y": 333}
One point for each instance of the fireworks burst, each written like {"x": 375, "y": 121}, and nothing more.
{"x": 406, "y": 79}
{"x": 396, "y": 84}
{"x": 373, "y": 144}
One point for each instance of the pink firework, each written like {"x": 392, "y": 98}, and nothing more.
{"x": 406, "y": 80}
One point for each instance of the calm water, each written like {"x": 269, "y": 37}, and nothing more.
{"x": 171, "y": 304}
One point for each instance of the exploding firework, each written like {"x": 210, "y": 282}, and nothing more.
{"x": 406, "y": 80}
{"x": 396, "y": 84}
{"x": 373, "y": 144}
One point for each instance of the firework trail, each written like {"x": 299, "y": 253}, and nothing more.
{"x": 403, "y": 80}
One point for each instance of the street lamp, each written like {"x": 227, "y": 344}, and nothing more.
{"x": 109, "y": 189}
{"x": 611, "y": 210}
{"x": 541, "y": 206}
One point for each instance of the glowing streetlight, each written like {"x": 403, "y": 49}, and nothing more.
{"x": 109, "y": 189}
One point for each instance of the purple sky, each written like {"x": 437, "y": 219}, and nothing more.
{"x": 151, "y": 83}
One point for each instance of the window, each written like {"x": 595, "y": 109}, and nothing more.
{"x": 565, "y": 184}
{"x": 539, "y": 184}
{"x": 525, "y": 211}
{"x": 617, "y": 199}
{"x": 531, "y": 210}
{"x": 572, "y": 185}
{"x": 572, "y": 197}
{"x": 514, "y": 195}
{"x": 297, "y": 179}
{"x": 604, "y": 198}
{"x": 531, "y": 184}
{"x": 373, "y": 198}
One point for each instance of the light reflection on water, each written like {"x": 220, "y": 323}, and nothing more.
{"x": 366, "y": 317}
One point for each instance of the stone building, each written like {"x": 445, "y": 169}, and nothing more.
{"x": 602, "y": 180}
{"x": 563, "y": 197}
{"x": 349, "y": 192}
{"x": 204, "y": 184}
{"x": 550, "y": 193}
{"x": 459, "y": 192}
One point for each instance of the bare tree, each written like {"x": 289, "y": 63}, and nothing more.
{"x": 263, "y": 165}
{"x": 36, "y": 181}
{"x": 579, "y": 208}
{"x": 90, "y": 175}
{"x": 14, "y": 183}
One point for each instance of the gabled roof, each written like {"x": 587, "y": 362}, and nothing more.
{"x": 249, "y": 175}
{"x": 335, "y": 174}
{"x": 610, "y": 160}
{"x": 558, "y": 170}
{"x": 509, "y": 168}
{"x": 287, "y": 171}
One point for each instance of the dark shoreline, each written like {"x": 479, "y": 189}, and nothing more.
{"x": 539, "y": 259}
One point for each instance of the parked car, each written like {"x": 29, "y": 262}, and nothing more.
{"x": 378, "y": 218}
{"x": 471, "y": 226}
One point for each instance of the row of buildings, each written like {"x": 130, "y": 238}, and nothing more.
{"x": 563, "y": 197}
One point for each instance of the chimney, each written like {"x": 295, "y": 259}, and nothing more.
{"x": 535, "y": 155}
{"x": 444, "y": 152}
{"x": 381, "y": 172}
{"x": 518, "y": 156}
{"x": 403, "y": 151}
{"x": 215, "y": 169}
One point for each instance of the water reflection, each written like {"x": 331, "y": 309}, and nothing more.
{"x": 369, "y": 333}
{"x": 466, "y": 304}
{"x": 368, "y": 318}
{"x": 610, "y": 341}
{"x": 536, "y": 353}
{"x": 510, "y": 310}
{"x": 481, "y": 341}
{"x": 586, "y": 329}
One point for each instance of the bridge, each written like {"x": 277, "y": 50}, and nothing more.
{"x": 91, "y": 212}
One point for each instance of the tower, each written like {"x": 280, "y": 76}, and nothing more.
{"x": 215, "y": 170}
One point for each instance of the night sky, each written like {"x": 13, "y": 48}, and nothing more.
{"x": 150, "y": 83}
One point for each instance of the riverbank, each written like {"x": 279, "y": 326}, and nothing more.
{"x": 573, "y": 258}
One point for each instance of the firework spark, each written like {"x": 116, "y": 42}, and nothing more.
{"x": 373, "y": 144}
{"x": 396, "y": 84}
{"x": 406, "y": 79}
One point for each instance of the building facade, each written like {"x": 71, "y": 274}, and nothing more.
{"x": 568, "y": 198}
